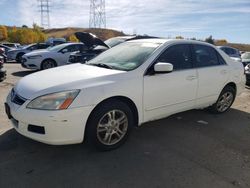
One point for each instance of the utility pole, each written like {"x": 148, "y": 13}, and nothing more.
{"x": 97, "y": 15}
{"x": 44, "y": 10}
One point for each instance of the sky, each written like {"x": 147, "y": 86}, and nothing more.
{"x": 223, "y": 19}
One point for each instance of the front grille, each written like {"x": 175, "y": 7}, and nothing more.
{"x": 15, "y": 98}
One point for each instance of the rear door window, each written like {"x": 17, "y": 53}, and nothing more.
{"x": 205, "y": 56}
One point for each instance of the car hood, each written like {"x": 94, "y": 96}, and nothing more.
{"x": 76, "y": 76}
{"x": 90, "y": 40}
{"x": 36, "y": 52}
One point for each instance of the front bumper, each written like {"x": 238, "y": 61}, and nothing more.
{"x": 57, "y": 127}
{"x": 33, "y": 64}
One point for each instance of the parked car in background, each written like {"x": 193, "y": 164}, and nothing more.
{"x": 231, "y": 52}
{"x": 245, "y": 58}
{"x": 6, "y": 48}
{"x": 11, "y": 45}
{"x": 17, "y": 54}
{"x": 247, "y": 72}
{"x": 51, "y": 57}
{"x": 2, "y": 61}
{"x": 55, "y": 41}
{"x": 130, "y": 84}
{"x": 95, "y": 46}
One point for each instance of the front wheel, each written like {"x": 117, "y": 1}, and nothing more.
{"x": 19, "y": 57}
{"x": 109, "y": 125}
{"x": 48, "y": 64}
{"x": 224, "y": 101}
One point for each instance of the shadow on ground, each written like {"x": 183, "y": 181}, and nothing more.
{"x": 191, "y": 149}
{"x": 23, "y": 73}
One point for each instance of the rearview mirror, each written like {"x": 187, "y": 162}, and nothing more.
{"x": 163, "y": 67}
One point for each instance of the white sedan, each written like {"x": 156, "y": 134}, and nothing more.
{"x": 50, "y": 57}
{"x": 126, "y": 86}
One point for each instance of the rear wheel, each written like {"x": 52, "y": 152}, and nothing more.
{"x": 224, "y": 101}
{"x": 109, "y": 125}
{"x": 48, "y": 64}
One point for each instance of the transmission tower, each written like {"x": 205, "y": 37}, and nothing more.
{"x": 97, "y": 16}
{"x": 44, "y": 10}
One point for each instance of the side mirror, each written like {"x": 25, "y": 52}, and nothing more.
{"x": 64, "y": 50}
{"x": 162, "y": 67}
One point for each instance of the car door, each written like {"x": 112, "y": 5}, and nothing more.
{"x": 65, "y": 53}
{"x": 168, "y": 93}
{"x": 213, "y": 73}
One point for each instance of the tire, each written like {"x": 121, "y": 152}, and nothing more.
{"x": 224, "y": 101}
{"x": 48, "y": 64}
{"x": 109, "y": 125}
{"x": 19, "y": 57}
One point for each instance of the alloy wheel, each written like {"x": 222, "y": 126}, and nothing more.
{"x": 225, "y": 101}
{"x": 112, "y": 127}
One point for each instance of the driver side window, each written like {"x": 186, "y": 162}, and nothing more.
{"x": 72, "y": 48}
{"x": 178, "y": 55}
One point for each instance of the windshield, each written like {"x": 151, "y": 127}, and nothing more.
{"x": 114, "y": 41}
{"x": 28, "y": 46}
{"x": 58, "y": 47}
{"x": 127, "y": 56}
{"x": 246, "y": 55}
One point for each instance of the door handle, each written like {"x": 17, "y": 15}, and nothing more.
{"x": 191, "y": 78}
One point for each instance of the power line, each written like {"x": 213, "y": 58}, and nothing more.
{"x": 44, "y": 9}
{"x": 97, "y": 15}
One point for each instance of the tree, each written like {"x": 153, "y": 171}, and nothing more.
{"x": 3, "y": 33}
{"x": 221, "y": 42}
{"x": 73, "y": 38}
{"x": 179, "y": 37}
{"x": 26, "y": 35}
{"x": 210, "y": 39}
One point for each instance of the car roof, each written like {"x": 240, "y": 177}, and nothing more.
{"x": 171, "y": 41}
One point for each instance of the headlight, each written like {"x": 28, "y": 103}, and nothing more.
{"x": 34, "y": 56}
{"x": 54, "y": 101}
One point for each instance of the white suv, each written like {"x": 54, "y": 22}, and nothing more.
{"x": 130, "y": 84}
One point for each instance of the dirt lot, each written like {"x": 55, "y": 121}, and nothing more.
{"x": 191, "y": 149}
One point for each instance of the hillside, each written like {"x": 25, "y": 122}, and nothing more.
{"x": 108, "y": 33}
{"x": 23, "y": 35}
{"x": 241, "y": 47}
{"x": 66, "y": 32}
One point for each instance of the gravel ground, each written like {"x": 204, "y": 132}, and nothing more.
{"x": 190, "y": 149}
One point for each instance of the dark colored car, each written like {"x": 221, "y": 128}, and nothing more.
{"x": 2, "y": 61}
{"x": 95, "y": 46}
{"x": 231, "y": 52}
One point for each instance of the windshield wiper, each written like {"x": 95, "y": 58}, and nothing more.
{"x": 102, "y": 65}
